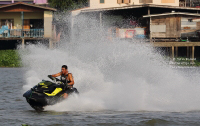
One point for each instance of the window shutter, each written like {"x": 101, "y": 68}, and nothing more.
{"x": 102, "y": 1}
{"x": 119, "y": 1}
{"x": 149, "y": 1}
{"x": 126, "y": 1}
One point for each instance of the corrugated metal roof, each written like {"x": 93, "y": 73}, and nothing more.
{"x": 173, "y": 13}
{"x": 139, "y": 6}
{"x": 112, "y": 8}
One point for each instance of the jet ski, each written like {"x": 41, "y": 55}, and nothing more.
{"x": 46, "y": 93}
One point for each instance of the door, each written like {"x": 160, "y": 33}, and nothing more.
{"x": 26, "y": 23}
{"x": 26, "y": 30}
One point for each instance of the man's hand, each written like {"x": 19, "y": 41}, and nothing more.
{"x": 50, "y": 76}
{"x": 53, "y": 78}
{"x": 56, "y": 75}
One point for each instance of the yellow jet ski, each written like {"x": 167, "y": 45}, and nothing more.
{"x": 46, "y": 93}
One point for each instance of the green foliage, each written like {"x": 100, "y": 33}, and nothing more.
{"x": 61, "y": 4}
{"x": 9, "y": 58}
{"x": 81, "y": 3}
{"x": 184, "y": 61}
{"x": 65, "y": 5}
{"x": 25, "y": 125}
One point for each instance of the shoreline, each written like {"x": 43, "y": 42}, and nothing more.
{"x": 10, "y": 67}
{"x": 172, "y": 66}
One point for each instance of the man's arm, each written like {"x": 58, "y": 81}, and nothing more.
{"x": 71, "y": 79}
{"x": 56, "y": 75}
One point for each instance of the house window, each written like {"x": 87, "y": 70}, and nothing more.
{"x": 145, "y": 1}
{"x": 102, "y": 1}
{"x": 123, "y": 1}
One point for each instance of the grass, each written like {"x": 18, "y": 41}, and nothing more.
{"x": 9, "y": 58}
{"x": 184, "y": 61}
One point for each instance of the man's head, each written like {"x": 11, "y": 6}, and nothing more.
{"x": 64, "y": 69}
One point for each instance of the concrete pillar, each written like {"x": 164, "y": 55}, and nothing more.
{"x": 149, "y": 11}
{"x": 188, "y": 51}
{"x": 48, "y": 18}
{"x": 193, "y": 53}
{"x": 22, "y": 23}
{"x": 172, "y": 52}
{"x": 150, "y": 30}
{"x": 168, "y": 51}
{"x": 23, "y": 43}
{"x": 50, "y": 43}
{"x": 176, "y": 51}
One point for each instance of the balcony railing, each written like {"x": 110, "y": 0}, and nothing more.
{"x": 19, "y": 33}
{"x": 187, "y": 3}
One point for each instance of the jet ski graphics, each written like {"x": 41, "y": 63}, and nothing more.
{"x": 46, "y": 93}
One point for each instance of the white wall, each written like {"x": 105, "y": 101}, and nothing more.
{"x": 48, "y": 18}
{"x": 166, "y": 2}
{"x": 108, "y": 3}
{"x": 113, "y": 3}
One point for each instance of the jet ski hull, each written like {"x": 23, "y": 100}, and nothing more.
{"x": 38, "y": 100}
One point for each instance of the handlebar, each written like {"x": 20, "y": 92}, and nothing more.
{"x": 53, "y": 78}
{"x": 57, "y": 81}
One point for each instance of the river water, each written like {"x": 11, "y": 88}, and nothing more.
{"x": 15, "y": 111}
{"x": 121, "y": 82}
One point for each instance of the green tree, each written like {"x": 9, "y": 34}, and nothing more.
{"x": 62, "y": 5}
{"x": 81, "y": 3}
{"x": 65, "y": 5}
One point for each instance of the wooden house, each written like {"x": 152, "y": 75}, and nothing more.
{"x": 174, "y": 25}
{"x": 25, "y": 21}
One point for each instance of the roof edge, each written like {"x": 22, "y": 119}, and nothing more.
{"x": 32, "y": 5}
{"x": 173, "y": 13}
{"x": 138, "y": 6}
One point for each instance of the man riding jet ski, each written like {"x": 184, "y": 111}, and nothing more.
{"x": 66, "y": 78}
{"x": 49, "y": 93}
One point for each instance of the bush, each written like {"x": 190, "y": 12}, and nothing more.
{"x": 9, "y": 58}
{"x": 184, "y": 61}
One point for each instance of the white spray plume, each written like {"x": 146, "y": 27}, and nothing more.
{"x": 113, "y": 75}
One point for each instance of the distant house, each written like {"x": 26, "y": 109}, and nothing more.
{"x": 174, "y": 25}
{"x": 40, "y": 1}
{"x": 124, "y": 18}
{"x": 168, "y": 24}
{"x": 23, "y": 21}
{"x": 3, "y": 2}
{"x": 120, "y": 3}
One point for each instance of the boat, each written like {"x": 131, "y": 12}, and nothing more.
{"x": 46, "y": 93}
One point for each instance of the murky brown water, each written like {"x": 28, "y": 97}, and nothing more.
{"x": 15, "y": 111}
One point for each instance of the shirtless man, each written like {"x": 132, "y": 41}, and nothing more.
{"x": 67, "y": 79}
